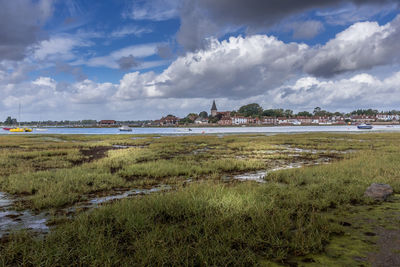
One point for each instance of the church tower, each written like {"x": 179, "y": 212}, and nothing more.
{"x": 213, "y": 109}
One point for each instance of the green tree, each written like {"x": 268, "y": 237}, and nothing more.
{"x": 304, "y": 114}
{"x": 185, "y": 121}
{"x": 213, "y": 120}
{"x": 288, "y": 113}
{"x": 253, "y": 109}
{"x": 10, "y": 121}
{"x": 203, "y": 114}
{"x": 273, "y": 112}
{"x": 191, "y": 117}
{"x": 320, "y": 112}
{"x": 317, "y": 110}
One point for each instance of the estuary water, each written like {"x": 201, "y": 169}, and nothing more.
{"x": 212, "y": 130}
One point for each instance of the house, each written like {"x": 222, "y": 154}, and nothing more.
{"x": 282, "y": 120}
{"x": 224, "y": 113}
{"x": 225, "y": 121}
{"x": 304, "y": 119}
{"x": 237, "y": 120}
{"x": 201, "y": 120}
{"x": 363, "y": 118}
{"x": 387, "y": 117}
{"x": 268, "y": 120}
{"x": 107, "y": 122}
{"x": 320, "y": 120}
{"x": 254, "y": 121}
{"x": 169, "y": 120}
{"x": 294, "y": 121}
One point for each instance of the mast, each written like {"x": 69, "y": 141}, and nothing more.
{"x": 19, "y": 115}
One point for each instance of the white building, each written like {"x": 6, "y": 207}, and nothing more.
{"x": 239, "y": 120}
{"x": 200, "y": 120}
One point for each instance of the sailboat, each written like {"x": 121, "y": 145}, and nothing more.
{"x": 19, "y": 129}
{"x": 40, "y": 128}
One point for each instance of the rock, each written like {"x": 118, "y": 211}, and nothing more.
{"x": 379, "y": 191}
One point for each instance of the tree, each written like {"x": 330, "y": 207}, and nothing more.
{"x": 185, "y": 121}
{"x": 368, "y": 112}
{"x": 213, "y": 120}
{"x": 317, "y": 110}
{"x": 338, "y": 114}
{"x": 192, "y": 116}
{"x": 288, "y": 113}
{"x": 320, "y": 112}
{"x": 304, "y": 114}
{"x": 273, "y": 113}
{"x": 203, "y": 114}
{"x": 253, "y": 109}
{"x": 10, "y": 121}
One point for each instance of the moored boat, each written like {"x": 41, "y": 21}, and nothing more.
{"x": 6, "y": 128}
{"x": 125, "y": 128}
{"x": 20, "y": 130}
{"x": 41, "y": 129}
{"x": 364, "y": 126}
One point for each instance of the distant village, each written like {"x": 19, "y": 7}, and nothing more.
{"x": 253, "y": 114}
{"x": 248, "y": 115}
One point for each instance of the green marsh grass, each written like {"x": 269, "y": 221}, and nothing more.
{"x": 295, "y": 214}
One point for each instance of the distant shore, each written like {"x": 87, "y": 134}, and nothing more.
{"x": 201, "y": 125}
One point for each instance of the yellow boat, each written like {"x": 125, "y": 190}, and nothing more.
{"x": 20, "y": 130}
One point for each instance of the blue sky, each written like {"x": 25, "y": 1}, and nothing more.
{"x": 130, "y": 59}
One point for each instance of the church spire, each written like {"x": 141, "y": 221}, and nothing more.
{"x": 214, "y": 109}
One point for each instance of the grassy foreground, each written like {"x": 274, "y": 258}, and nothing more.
{"x": 297, "y": 213}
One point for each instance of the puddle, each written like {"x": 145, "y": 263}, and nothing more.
{"x": 11, "y": 220}
{"x": 260, "y": 175}
{"x": 4, "y": 201}
{"x": 255, "y": 176}
{"x": 312, "y": 151}
{"x": 98, "y": 201}
{"x": 127, "y": 194}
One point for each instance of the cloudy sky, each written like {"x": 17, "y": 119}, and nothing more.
{"x": 141, "y": 59}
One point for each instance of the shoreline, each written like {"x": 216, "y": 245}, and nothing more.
{"x": 206, "y": 126}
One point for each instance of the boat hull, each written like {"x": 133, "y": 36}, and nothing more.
{"x": 364, "y": 127}
{"x": 20, "y": 130}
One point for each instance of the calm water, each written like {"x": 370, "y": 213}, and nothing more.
{"x": 213, "y": 130}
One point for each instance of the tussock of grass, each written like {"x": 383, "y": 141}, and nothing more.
{"x": 204, "y": 224}
{"x": 173, "y": 167}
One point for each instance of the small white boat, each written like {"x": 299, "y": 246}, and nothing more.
{"x": 125, "y": 128}
{"x": 41, "y": 130}
{"x": 364, "y": 126}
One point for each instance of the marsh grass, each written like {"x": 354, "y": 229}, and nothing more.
{"x": 296, "y": 213}
{"x": 206, "y": 223}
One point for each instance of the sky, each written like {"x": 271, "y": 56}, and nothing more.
{"x": 143, "y": 59}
